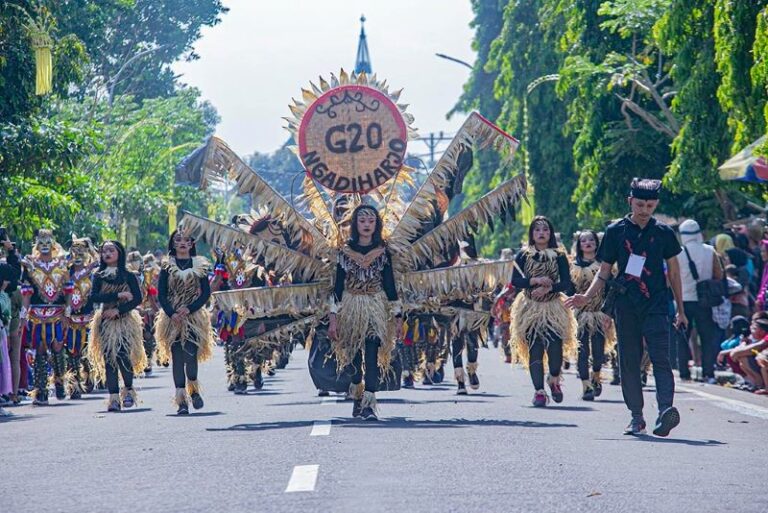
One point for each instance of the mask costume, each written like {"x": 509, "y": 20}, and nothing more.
{"x": 44, "y": 281}
{"x": 236, "y": 271}
{"x": 501, "y": 311}
{"x": 116, "y": 344}
{"x": 188, "y": 338}
{"x": 83, "y": 260}
{"x": 367, "y": 287}
{"x": 149, "y": 306}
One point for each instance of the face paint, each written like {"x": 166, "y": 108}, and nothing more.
{"x": 109, "y": 253}
{"x": 80, "y": 252}
{"x": 182, "y": 242}
{"x": 45, "y": 244}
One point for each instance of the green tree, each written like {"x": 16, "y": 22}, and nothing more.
{"x": 80, "y": 160}
{"x": 132, "y": 43}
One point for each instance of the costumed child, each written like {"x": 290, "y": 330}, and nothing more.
{"x": 596, "y": 332}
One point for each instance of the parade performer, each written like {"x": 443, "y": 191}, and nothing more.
{"x": 414, "y": 334}
{"x": 236, "y": 272}
{"x": 84, "y": 258}
{"x": 596, "y": 333}
{"x": 44, "y": 307}
{"x": 149, "y": 306}
{"x": 543, "y": 330}
{"x": 361, "y": 158}
{"x": 432, "y": 345}
{"x": 116, "y": 343}
{"x": 466, "y": 338}
{"x": 501, "y": 308}
{"x": 366, "y": 316}
{"x": 183, "y": 329}
{"x": 469, "y": 340}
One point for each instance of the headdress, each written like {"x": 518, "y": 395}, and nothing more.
{"x": 83, "y": 245}
{"x": 645, "y": 189}
{"x": 134, "y": 262}
{"x": 44, "y": 233}
{"x": 367, "y": 211}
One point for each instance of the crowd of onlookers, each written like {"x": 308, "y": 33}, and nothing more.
{"x": 731, "y": 336}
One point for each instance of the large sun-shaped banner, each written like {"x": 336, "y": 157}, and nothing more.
{"x": 352, "y": 136}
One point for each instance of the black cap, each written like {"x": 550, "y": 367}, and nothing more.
{"x": 645, "y": 189}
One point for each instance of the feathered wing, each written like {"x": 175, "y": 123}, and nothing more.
{"x": 285, "y": 260}
{"x": 428, "y": 247}
{"x": 476, "y": 132}
{"x": 465, "y": 319}
{"x": 222, "y": 165}
{"x": 313, "y": 201}
{"x": 389, "y": 198}
{"x": 278, "y": 336}
{"x": 294, "y": 300}
{"x": 454, "y": 283}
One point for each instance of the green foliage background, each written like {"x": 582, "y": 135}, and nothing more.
{"x": 657, "y": 88}
{"x": 97, "y": 156}
{"x": 706, "y": 63}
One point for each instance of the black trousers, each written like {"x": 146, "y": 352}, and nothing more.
{"x": 124, "y": 367}
{"x": 553, "y": 346}
{"x": 370, "y": 354}
{"x": 184, "y": 362}
{"x": 470, "y": 340}
{"x": 710, "y": 335}
{"x": 633, "y": 327}
{"x": 594, "y": 344}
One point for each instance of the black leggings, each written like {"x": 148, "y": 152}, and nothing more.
{"x": 554, "y": 354}
{"x": 594, "y": 344}
{"x": 184, "y": 363}
{"x": 470, "y": 340}
{"x": 126, "y": 369}
{"x": 371, "y": 353}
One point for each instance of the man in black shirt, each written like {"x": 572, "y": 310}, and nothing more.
{"x": 640, "y": 245}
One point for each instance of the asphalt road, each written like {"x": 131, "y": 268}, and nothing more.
{"x": 284, "y": 449}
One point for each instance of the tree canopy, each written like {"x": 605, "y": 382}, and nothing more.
{"x": 657, "y": 88}
{"x": 96, "y": 156}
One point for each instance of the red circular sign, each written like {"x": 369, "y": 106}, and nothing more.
{"x": 352, "y": 139}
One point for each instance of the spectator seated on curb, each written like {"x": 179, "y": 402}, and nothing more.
{"x": 738, "y": 294}
{"x": 741, "y": 359}
{"x": 740, "y": 330}
{"x": 762, "y": 362}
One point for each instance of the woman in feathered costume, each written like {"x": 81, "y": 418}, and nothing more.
{"x": 365, "y": 317}
{"x": 116, "y": 342}
{"x": 543, "y": 328}
{"x": 183, "y": 328}
{"x": 596, "y": 332}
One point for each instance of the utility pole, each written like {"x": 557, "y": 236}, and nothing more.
{"x": 433, "y": 141}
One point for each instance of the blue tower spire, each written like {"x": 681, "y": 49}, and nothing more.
{"x": 363, "y": 61}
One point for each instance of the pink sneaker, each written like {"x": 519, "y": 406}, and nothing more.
{"x": 557, "y": 391}
{"x": 540, "y": 399}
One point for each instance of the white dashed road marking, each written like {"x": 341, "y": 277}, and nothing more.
{"x": 321, "y": 428}
{"x": 303, "y": 479}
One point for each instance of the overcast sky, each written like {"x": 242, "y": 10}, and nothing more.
{"x": 265, "y": 51}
